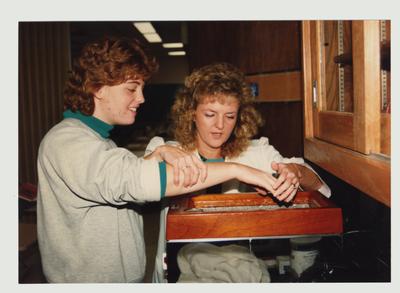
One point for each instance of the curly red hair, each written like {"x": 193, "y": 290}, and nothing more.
{"x": 215, "y": 81}
{"x": 110, "y": 61}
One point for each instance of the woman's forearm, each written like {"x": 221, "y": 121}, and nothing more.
{"x": 217, "y": 173}
{"x": 308, "y": 179}
{"x": 221, "y": 172}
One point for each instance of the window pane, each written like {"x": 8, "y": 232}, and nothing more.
{"x": 337, "y": 66}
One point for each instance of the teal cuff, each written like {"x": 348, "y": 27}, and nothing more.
{"x": 162, "y": 166}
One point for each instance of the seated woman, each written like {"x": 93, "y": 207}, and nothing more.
{"x": 214, "y": 117}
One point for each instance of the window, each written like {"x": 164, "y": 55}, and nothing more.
{"x": 346, "y": 76}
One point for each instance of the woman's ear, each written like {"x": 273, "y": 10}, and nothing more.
{"x": 99, "y": 94}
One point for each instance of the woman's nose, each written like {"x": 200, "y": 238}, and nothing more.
{"x": 140, "y": 98}
{"x": 220, "y": 123}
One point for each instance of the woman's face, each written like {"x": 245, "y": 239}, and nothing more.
{"x": 215, "y": 121}
{"x": 118, "y": 104}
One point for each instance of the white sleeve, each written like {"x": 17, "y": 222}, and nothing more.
{"x": 156, "y": 142}
{"x": 153, "y": 144}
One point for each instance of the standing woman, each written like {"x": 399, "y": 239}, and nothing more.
{"x": 214, "y": 119}
{"x": 89, "y": 189}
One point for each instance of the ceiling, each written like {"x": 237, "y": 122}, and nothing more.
{"x": 169, "y": 31}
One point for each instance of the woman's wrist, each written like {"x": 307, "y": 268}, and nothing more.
{"x": 235, "y": 170}
{"x": 307, "y": 178}
{"x": 296, "y": 170}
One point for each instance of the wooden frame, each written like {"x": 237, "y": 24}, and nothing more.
{"x": 366, "y": 90}
{"x": 342, "y": 142}
{"x": 336, "y": 127}
{"x": 370, "y": 174}
{"x": 366, "y": 77}
{"x": 385, "y": 133}
{"x": 188, "y": 217}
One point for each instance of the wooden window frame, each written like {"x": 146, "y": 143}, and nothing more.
{"x": 341, "y": 142}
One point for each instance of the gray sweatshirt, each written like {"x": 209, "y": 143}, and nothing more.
{"x": 87, "y": 232}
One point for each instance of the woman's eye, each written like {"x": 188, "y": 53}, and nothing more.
{"x": 209, "y": 115}
{"x": 230, "y": 117}
{"x": 132, "y": 90}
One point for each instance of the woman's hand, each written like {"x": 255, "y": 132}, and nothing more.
{"x": 288, "y": 181}
{"x": 261, "y": 181}
{"x": 181, "y": 161}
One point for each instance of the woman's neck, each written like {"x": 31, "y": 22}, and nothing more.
{"x": 208, "y": 152}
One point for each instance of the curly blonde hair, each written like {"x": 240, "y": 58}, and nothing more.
{"x": 110, "y": 61}
{"x": 215, "y": 81}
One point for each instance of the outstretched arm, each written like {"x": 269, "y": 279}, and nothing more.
{"x": 221, "y": 172}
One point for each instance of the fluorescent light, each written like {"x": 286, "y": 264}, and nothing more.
{"x": 172, "y": 45}
{"x": 152, "y": 38}
{"x": 144, "y": 27}
{"x": 177, "y": 53}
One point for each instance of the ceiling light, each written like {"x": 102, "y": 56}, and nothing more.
{"x": 172, "y": 45}
{"x": 144, "y": 27}
{"x": 152, "y": 38}
{"x": 177, "y": 53}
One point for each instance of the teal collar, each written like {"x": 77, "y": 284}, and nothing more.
{"x": 211, "y": 160}
{"x": 97, "y": 125}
